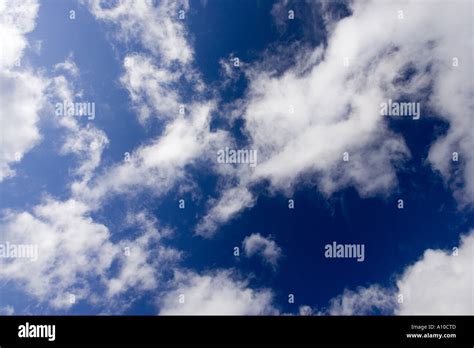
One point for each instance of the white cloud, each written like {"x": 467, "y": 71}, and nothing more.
{"x": 69, "y": 66}
{"x": 303, "y": 120}
{"x": 85, "y": 141}
{"x": 155, "y": 25}
{"x": 71, "y": 247}
{"x": 336, "y": 109}
{"x": 160, "y": 164}
{"x": 145, "y": 257}
{"x": 217, "y": 293}
{"x": 305, "y": 310}
{"x": 26, "y": 93}
{"x": 155, "y": 76}
{"x": 363, "y": 301}
{"x": 440, "y": 283}
{"x": 22, "y": 99}
{"x": 88, "y": 143}
{"x": 453, "y": 96}
{"x": 16, "y": 20}
{"x": 21, "y": 89}
{"x": 150, "y": 87}
{"x": 226, "y": 207}
{"x": 256, "y": 244}
{"x": 155, "y": 80}
{"x": 74, "y": 252}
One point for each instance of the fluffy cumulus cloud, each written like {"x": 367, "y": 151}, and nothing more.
{"x": 22, "y": 99}
{"x": 70, "y": 246}
{"x": 77, "y": 261}
{"x": 328, "y": 103}
{"x": 16, "y": 20}
{"x": 21, "y": 89}
{"x": 440, "y": 283}
{"x": 216, "y": 293}
{"x": 156, "y": 25}
{"x": 256, "y": 244}
{"x": 74, "y": 251}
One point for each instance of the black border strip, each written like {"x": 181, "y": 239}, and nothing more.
{"x": 242, "y": 330}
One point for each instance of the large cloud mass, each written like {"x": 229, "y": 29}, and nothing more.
{"x": 302, "y": 121}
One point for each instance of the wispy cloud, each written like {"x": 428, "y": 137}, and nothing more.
{"x": 157, "y": 26}
{"x": 256, "y": 244}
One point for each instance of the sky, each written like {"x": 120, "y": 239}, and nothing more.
{"x": 119, "y": 118}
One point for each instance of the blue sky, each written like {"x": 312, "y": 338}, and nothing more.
{"x": 75, "y": 196}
